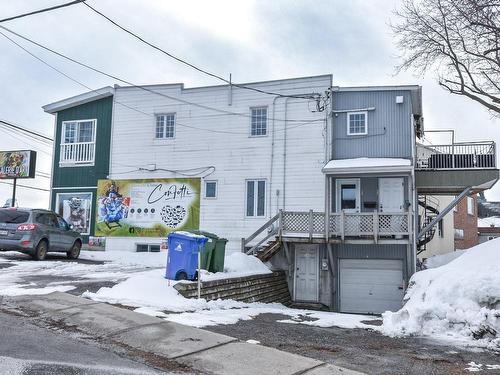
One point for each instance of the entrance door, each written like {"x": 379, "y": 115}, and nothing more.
{"x": 391, "y": 194}
{"x": 347, "y": 197}
{"x": 306, "y": 272}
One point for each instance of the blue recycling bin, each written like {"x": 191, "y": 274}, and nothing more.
{"x": 182, "y": 259}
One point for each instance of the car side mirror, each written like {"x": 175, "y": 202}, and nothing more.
{"x": 71, "y": 226}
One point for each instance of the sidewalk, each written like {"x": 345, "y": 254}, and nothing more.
{"x": 202, "y": 350}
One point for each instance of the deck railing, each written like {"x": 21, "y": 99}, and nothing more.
{"x": 470, "y": 155}
{"x": 341, "y": 225}
{"x": 77, "y": 153}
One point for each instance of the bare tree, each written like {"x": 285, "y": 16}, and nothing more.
{"x": 459, "y": 40}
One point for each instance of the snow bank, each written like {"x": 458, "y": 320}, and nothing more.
{"x": 127, "y": 258}
{"x": 442, "y": 259}
{"x": 488, "y": 221}
{"x": 238, "y": 265}
{"x": 459, "y": 301}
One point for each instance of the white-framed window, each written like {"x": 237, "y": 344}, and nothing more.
{"x": 470, "y": 205}
{"x": 491, "y": 238}
{"x": 165, "y": 126}
{"x": 255, "y": 198}
{"x": 78, "y": 142}
{"x": 211, "y": 189}
{"x": 459, "y": 234}
{"x": 76, "y": 209}
{"x": 348, "y": 195}
{"x": 258, "y": 123}
{"x": 357, "y": 123}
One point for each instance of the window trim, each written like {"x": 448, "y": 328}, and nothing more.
{"x": 216, "y": 189}
{"x": 349, "y": 120}
{"x": 256, "y": 198}
{"x": 348, "y": 181}
{"x": 267, "y": 121}
{"x": 61, "y": 143}
{"x": 470, "y": 199}
{"x": 165, "y": 127}
{"x": 91, "y": 209}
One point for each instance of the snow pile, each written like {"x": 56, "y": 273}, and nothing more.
{"x": 458, "y": 301}
{"x": 488, "y": 221}
{"x": 442, "y": 259}
{"x": 127, "y": 258}
{"x": 238, "y": 265}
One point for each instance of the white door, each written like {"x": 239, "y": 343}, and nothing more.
{"x": 391, "y": 194}
{"x": 370, "y": 286}
{"x": 347, "y": 195}
{"x": 306, "y": 272}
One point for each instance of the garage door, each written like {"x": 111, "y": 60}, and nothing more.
{"x": 370, "y": 285}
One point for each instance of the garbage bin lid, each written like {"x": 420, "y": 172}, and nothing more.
{"x": 206, "y": 234}
{"x": 188, "y": 235}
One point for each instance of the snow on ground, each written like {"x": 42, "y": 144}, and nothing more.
{"x": 459, "y": 301}
{"x": 442, "y": 259}
{"x": 238, "y": 265}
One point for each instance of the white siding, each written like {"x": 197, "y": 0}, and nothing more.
{"x": 236, "y": 157}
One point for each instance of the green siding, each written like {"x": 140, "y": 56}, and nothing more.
{"x": 84, "y": 178}
{"x": 85, "y": 175}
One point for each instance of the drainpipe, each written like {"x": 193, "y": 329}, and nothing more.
{"x": 272, "y": 159}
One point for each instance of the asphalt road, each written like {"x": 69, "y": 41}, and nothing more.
{"x": 27, "y": 349}
{"x": 359, "y": 349}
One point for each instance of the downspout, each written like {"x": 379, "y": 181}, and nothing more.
{"x": 272, "y": 160}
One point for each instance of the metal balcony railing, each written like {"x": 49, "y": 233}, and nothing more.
{"x": 77, "y": 153}
{"x": 470, "y": 155}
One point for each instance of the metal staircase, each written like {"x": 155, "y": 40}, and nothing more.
{"x": 431, "y": 211}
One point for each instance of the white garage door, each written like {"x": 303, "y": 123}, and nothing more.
{"x": 370, "y": 285}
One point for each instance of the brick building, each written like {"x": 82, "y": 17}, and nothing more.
{"x": 465, "y": 221}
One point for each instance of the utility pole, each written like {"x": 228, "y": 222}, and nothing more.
{"x": 13, "y": 202}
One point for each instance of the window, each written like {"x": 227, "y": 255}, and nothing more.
{"x": 78, "y": 142}
{"x": 210, "y": 189}
{"x": 357, "y": 123}
{"x": 470, "y": 205}
{"x": 147, "y": 248}
{"x": 165, "y": 126}
{"x": 491, "y": 238}
{"x": 256, "y": 198}
{"x": 347, "y": 195}
{"x": 62, "y": 223}
{"x": 459, "y": 234}
{"x": 259, "y": 121}
{"x": 440, "y": 228}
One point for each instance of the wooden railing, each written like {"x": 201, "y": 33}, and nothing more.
{"x": 77, "y": 153}
{"x": 341, "y": 225}
{"x": 470, "y": 155}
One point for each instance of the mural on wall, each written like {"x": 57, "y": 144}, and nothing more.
{"x": 147, "y": 208}
{"x": 75, "y": 209}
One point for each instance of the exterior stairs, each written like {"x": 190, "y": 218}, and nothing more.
{"x": 266, "y": 288}
{"x": 431, "y": 206}
{"x": 269, "y": 250}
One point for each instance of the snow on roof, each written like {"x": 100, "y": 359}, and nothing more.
{"x": 486, "y": 222}
{"x": 347, "y": 165}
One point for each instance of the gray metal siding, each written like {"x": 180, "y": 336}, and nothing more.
{"x": 389, "y": 125}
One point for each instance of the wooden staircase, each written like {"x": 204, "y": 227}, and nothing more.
{"x": 266, "y": 288}
{"x": 269, "y": 250}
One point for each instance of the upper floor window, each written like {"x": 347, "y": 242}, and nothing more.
{"x": 470, "y": 205}
{"x": 165, "y": 126}
{"x": 259, "y": 121}
{"x": 210, "y": 189}
{"x": 357, "y": 123}
{"x": 78, "y": 142}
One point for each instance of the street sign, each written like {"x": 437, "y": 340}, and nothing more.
{"x": 17, "y": 164}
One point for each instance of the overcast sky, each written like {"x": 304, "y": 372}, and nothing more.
{"x": 253, "y": 40}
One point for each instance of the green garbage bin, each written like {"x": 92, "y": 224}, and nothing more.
{"x": 212, "y": 259}
{"x": 218, "y": 255}
{"x": 208, "y": 253}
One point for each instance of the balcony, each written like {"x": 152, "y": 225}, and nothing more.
{"x": 77, "y": 153}
{"x": 449, "y": 169}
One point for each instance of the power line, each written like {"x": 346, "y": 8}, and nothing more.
{"x": 26, "y": 130}
{"x": 305, "y": 122}
{"x": 138, "y": 86}
{"x": 24, "y": 186}
{"x": 42, "y": 10}
{"x": 13, "y": 135}
{"x": 192, "y": 65}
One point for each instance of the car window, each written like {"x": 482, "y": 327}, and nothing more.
{"x": 13, "y": 216}
{"x": 52, "y": 220}
{"x": 62, "y": 223}
{"x": 46, "y": 219}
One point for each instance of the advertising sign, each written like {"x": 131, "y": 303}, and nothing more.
{"x": 147, "y": 208}
{"x": 17, "y": 164}
{"x": 75, "y": 209}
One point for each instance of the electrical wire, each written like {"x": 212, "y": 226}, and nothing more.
{"x": 144, "y": 88}
{"x": 24, "y": 141}
{"x": 20, "y": 128}
{"x": 138, "y": 110}
{"x": 42, "y": 10}
{"x": 24, "y": 186}
{"x": 182, "y": 61}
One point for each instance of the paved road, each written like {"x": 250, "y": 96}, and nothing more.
{"x": 27, "y": 349}
{"x": 359, "y": 349}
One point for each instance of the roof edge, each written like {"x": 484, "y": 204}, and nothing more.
{"x": 73, "y": 101}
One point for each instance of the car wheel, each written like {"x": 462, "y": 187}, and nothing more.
{"x": 74, "y": 252}
{"x": 41, "y": 250}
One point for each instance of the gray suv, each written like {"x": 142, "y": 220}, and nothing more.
{"x": 37, "y": 232}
